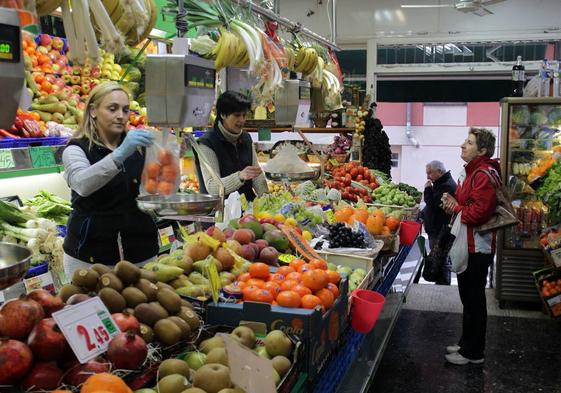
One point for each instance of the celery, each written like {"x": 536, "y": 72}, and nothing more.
{"x": 12, "y": 215}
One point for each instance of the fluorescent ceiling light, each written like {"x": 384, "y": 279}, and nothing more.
{"x": 425, "y": 6}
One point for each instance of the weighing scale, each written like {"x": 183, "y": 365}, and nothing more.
{"x": 12, "y": 73}
{"x": 292, "y": 103}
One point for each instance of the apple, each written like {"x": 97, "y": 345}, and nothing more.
{"x": 60, "y": 83}
{"x": 75, "y": 79}
{"x": 66, "y": 78}
{"x": 56, "y": 68}
{"x": 45, "y": 40}
{"x": 57, "y": 43}
{"x": 54, "y": 55}
{"x": 86, "y": 89}
{"x": 95, "y": 72}
{"x": 76, "y": 89}
{"x": 43, "y": 50}
{"x": 76, "y": 70}
{"x": 50, "y": 78}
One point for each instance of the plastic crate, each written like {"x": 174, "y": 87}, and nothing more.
{"x": 7, "y": 143}
{"x": 61, "y": 230}
{"x": 47, "y": 141}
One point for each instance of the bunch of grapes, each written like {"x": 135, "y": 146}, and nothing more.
{"x": 343, "y": 236}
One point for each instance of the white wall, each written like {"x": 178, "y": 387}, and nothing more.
{"x": 359, "y": 19}
{"x": 27, "y": 186}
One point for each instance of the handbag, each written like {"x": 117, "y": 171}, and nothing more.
{"x": 504, "y": 215}
{"x": 438, "y": 255}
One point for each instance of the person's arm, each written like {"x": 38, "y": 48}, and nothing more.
{"x": 231, "y": 182}
{"x": 83, "y": 177}
{"x": 484, "y": 197}
{"x": 259, "y": 183}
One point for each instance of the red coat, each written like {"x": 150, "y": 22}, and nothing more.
{"x": 477, "y": 200}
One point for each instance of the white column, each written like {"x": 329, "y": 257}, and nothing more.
{"x": 371, "y": 60}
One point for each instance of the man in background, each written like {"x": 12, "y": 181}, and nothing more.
{"x": 440, "y": 181}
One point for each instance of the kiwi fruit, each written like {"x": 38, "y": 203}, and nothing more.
{"x": 162, "y": 312}
{"x": 129, "y": 310}
{"x": 175, "y": 383}
{"x": 100, "y": 268}
{"x": 68, "y": 290}
{"x": 134, "y": 296}
{"x": 112, "y": 299}
{"x": 189, "y": 316}
{"x": 128, "y": 272}
{"x": 147, "y": 314}
{"x": 186, "y": 303}
{"x": 170, "y": 300}
{"x": 162, "y": 285}
{"x": 173, "y": 366}
{"x": 112, "y": 281}
{"x": 146, "y": 333}
{"x": 148, "y": 288}
{"x": 86, "y": 278}
{"x": 167, "y": 332}
{"x": 148, "y": 275}
{"x": 184, "y": 326}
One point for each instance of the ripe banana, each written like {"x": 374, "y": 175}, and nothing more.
{"x": 301, "y": 58}
{"x": 290, "y": 58}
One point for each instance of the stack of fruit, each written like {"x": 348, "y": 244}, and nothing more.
{"x": 189, "y": 183}
{"x": 390, "y": 194}
{"x": 377, "y": 222}
{"x": 354, "y": 181}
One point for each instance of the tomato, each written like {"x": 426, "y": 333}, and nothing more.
{"x": 359, "y": 178}
{"x": 354, "y": 172}
{"x": 347, "y": 182}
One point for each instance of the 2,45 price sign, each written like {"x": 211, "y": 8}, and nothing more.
{"x": 88, "y": 328}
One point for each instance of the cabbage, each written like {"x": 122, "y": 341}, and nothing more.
{"x": 520, "y": 115}
{"x": 538, "y": 118}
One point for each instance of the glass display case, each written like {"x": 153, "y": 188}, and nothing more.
{"x": 530, "y": 136}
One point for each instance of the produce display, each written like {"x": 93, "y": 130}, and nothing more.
{"x": 376, "y": 150}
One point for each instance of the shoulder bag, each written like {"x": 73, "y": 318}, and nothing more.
{"x": 504, "y": 215}
{"x": 436, "y": 261}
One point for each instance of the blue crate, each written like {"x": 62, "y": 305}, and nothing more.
{"x": 37, "y": 270}
{"x": 198, "y": 133}
{"x": 61, "y": 230}
{"x": 7, "y": 143}
{"x": 46, "y": 141}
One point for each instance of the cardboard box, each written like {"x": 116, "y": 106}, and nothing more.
{"x": 319, "y": 333}
{"x": 551, "y": 297}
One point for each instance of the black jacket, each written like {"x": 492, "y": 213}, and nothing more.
{"x": 435, "y": 218}
{"x": 97, "y": 220}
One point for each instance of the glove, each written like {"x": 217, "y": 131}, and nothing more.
{"x": 133, "y": 140}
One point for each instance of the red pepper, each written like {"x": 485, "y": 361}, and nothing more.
{"x": 6, "y": 134}
{"x": 18, "y": 123}
{"x": 33, "y": 128}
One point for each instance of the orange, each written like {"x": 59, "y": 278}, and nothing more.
{"x": 302, "y": 290}
{"x": 151, "y": 186}
{"x": 333, "y": 277}
{"x": 152, "y": 170}
{"x": 256, "y": 281}
{"x": 318, "y": 264}
{"x": 315, "y": 279}
{"x": 105, "y": 381}
{"x": 285, "y": 270}
{"x": 276, "y": 277}
{"x": 294, "y": 276}
{"x": 165, "y": 188}
{"x": 326, "y": 296}
{"x": 360, "y": 215}
{"x": 296, "y": 263}
{"x": 259, "y": 270}
{"x": 165, "y": 157}
{"x": 261, "y": 295}
{"x": 378, "y": 212}
{"x": 273, "y": 287}
{"x": 303, "y": 268}
{"x": 386, "y": 231}
{"x": 311, "y": 301}
{"x": 288, "y": 285}
{"x": 244, "y": 277}
{"x": 169, "y": 173}
{"x": 347, "y": 212}
{"x": 248, "y": 291}
{"x": 340, "y": 216}
{"x": 392, "y": 223}
{"x": 289, "y": 299}
{"x": 334, "y": 289}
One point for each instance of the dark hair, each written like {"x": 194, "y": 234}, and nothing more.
{"x": 231, "y": 102}
{"x": 484, "y": 139}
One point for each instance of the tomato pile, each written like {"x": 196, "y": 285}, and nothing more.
{"x": 551, "y": 287}
{"x": 343, "y": 176}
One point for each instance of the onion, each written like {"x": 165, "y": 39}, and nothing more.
{"x": 127, "y": 351}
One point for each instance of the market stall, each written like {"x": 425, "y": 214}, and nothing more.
{"x": 252, "y": 296}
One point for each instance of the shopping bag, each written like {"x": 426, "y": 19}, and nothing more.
{"x": 459, "y": 251}
{"x": 438, "y": 255}
{"x": 161, "y": 174}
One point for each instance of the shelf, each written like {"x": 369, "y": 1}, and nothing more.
{"x": 31, "y": 172}
{"x": 30, "y": 161}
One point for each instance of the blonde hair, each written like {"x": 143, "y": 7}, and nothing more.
{"x": 88, "y": 127}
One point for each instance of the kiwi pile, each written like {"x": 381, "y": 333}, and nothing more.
{"x": 206, "y": 369}
{"x": 163, "y": 314}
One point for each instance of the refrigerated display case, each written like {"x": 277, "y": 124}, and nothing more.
{"x": 530, "y": 133}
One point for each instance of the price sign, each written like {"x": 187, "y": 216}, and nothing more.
{"x": 166, "y": 236}
{"x": 42, "y": 156}
{"x": 6, "y": 159}
{"x": 88, "y": 328}
{"x": 42, "y": 281}
{"x": 264, "y": 134}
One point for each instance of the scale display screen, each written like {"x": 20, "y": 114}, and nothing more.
{"x": 201, "y": 77}
{"x": 9, "y": 43}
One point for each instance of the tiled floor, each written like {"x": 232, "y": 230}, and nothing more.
{"x": 523, "y": 352}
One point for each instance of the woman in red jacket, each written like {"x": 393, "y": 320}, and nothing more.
{"x": 476, "y": 199}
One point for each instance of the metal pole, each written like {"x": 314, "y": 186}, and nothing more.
{"x": 333, "y": 21}
{"x": 276, "y": 7}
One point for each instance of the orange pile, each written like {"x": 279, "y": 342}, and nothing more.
{"x": 160, "y": 176}
{"x": 299, "y": 284}
{"x": 377, "y": 223}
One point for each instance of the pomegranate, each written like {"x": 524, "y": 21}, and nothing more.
{"x": 76, "y": 373}
{"x": 126, "y": 322}
{"x": 43, "y": 376}
{"x": 77, "y": 298}
{"x": 49, "y": 302}
{"x": 127, "y": 351}
{"x": 16, "y": 359}
{"x": 18, "y": 316}
{"x": 46, "y": 340}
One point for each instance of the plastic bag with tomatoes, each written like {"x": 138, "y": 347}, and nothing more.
{"x": 161, "y": 174}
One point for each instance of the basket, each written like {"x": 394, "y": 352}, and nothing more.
{"x": 391, "y": 242}
{"x": 551, "y": 300}
{"x": 340, "y": 158}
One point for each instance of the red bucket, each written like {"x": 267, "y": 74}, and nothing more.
{"x": 408, "y": 232}
{"x": 366, "y": 307}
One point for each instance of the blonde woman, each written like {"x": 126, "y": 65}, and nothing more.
{"x": 103, "y": 164}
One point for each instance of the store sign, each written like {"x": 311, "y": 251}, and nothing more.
{"x": 42, "y": 157}
{"x": 6, "y": 159}
{"x": 42, "y": 281}
{"x": 88, "y": 328}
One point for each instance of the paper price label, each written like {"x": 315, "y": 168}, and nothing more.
{"x": 166, "y": 236}
{"x": 6, "y": 159}
{"x": 42, "y": 281}
{"x": 88, "y": 328}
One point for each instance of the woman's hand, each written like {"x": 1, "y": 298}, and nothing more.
{"x": 250, "y": 172}
{"x": 133, "y": 140}
{"x": 449, "y": 203}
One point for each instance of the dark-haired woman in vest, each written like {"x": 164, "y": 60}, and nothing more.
{"x": 103, "y": 164}
{"x": 230, "y": 151}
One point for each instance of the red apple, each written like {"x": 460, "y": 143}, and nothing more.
{"x": 57, "y": 43}
{"x": 45, "y": 40}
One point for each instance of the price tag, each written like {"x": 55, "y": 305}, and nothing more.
{"x": 264, "y": 134}
{"x": 6, "y": 159}
{"x": 88, "y": 328}
{"x": 211, "y": 272}
{"x": 42, "y": 281}
{"x": 183, "y": 231}
{"x": 286, "y": 258}
{"x": 42, "y": 157}
{"x": 166, "y": 236}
